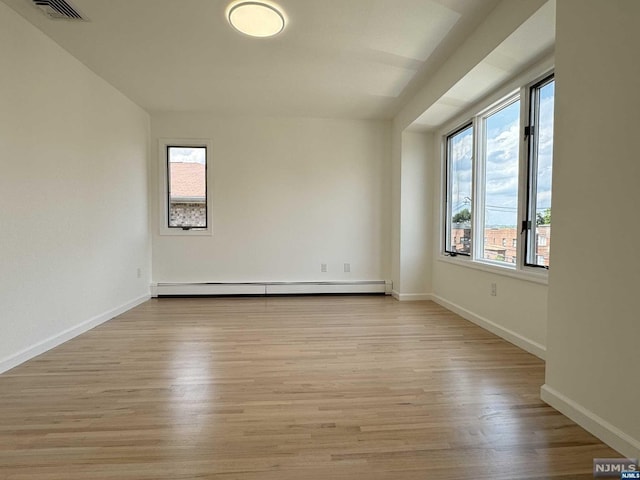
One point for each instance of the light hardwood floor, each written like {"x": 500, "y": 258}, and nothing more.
{"x": 286, "y": 388}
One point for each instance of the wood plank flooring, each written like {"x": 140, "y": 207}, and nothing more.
{"x": 352, "y": 387}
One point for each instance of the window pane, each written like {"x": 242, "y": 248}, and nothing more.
{"x": 500, "y": 192}
{"x": 541, "y": 163}
{"x": 187, "y": 178}
{"x": 459, "y": 187}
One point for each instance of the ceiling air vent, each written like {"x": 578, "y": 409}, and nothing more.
{"x": 58, "y": 9}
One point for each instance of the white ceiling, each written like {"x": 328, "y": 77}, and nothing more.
{"x": 532, "y": 40}
{"x": 336, "y": 58}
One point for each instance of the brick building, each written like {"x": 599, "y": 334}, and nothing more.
{"x": 188, "y": 194}
{"x": 501, "y": 243}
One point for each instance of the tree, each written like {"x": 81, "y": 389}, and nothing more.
{"x": 544, "y": 218}
{"x": 462, "y": 216}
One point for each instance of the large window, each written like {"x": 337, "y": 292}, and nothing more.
{"x": 497, "y": 169}
{"x": 186, "y": 199}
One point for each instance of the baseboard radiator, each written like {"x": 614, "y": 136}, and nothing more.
{"x": 270, "y": 288}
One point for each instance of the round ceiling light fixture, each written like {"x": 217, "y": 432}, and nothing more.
{"x": 257, "y": 19}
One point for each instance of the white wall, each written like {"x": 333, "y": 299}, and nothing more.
{"x": 593, "y": 352}
{"x": 73, "y": 195}
{"x": 288, "y": 195}
{"x": 416, "y": 223}
{"x": 462, "y": 289}
{"x": 518, "y": 313}
{"x": 396, "y": 205}
{"x": 412, "y": 269}
{"x": 501, "y": 22}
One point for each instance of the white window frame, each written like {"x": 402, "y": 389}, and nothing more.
{"x": 163, "y": 143}
{"x": 479, "y": 167}
{"x": 518, "y": 85}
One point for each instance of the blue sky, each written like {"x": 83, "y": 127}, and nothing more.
{"x": 188, "y": 154}
{"x": 501, "y": 175}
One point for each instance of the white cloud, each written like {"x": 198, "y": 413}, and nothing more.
{"x": 503, "y": 135}
{"x": 502, "y": 166}
{"x": 188, "y": 154}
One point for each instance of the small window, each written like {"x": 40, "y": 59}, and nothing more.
{"x": 187, "y": 189}
{"x": 186, "y": 200}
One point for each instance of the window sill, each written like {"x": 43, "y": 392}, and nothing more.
{"x": 193, "y": 232}
{"x": 529, "y": 275}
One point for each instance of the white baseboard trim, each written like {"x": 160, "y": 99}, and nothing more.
{"x": 270, "y": 288}
{"x": 530, "y": 346}
{"x": 66, "y": 335}
{"x": 411, "y": 297}
{"x": 160, "y": 289}
{"x": 599, "y": 427}
{"x": 311, "y": 288}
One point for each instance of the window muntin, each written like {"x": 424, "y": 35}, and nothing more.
{"x": 540, "y": 166}
{"x": 187, "y": 187}
{"x": 459, "y": 187}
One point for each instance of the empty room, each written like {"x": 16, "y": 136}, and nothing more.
{"x": 312, "y": 239}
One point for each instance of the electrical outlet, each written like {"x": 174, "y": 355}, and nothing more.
{"x": 347, "y": 267}
{"x": 323, "y": 267}
{"x": 494, "y": 289}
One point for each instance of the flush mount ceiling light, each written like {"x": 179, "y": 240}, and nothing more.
{"x": 258, "y": 19}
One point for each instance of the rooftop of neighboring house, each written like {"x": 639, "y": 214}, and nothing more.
{"x": 188, "y": 180}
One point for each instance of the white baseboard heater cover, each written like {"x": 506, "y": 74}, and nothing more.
{"x": 270, "y": 288}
